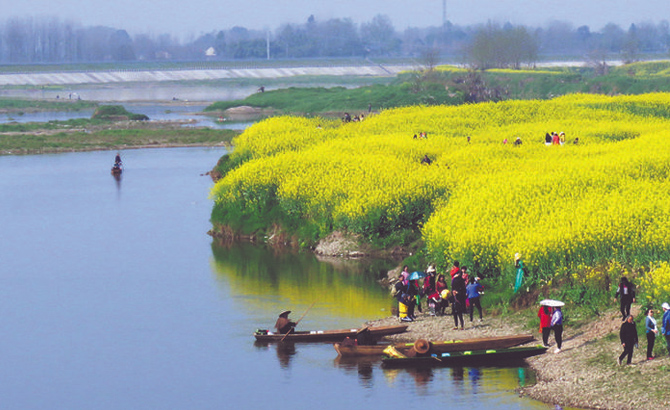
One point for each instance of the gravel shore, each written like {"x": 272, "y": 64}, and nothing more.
{"x": 584, "y": 374}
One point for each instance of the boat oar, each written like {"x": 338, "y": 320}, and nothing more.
{"x": 303, "y": 315}
{"x": 298, "y": 321}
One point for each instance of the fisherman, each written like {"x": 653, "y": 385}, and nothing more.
{"x": 117, "y": 159}
{"x": 284, "y": 325}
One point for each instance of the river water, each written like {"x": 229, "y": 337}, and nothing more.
{"x": 114, "y": 297}
{"x": 167, "y": 111}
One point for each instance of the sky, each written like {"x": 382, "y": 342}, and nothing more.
{"x": 186, "y": 18}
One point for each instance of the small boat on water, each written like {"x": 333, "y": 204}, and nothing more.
{"x": 482, "y": 343}
{"x": 327, "y": 335}
{"x": 490, "y": 357}
{"x": 117, "y": 169}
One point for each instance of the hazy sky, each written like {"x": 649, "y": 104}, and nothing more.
{"x": 194, "y": 17}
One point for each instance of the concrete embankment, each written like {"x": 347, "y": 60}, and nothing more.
{"x": 121, "y": 76}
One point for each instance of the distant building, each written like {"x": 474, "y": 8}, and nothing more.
{"x": 210, "y": 52}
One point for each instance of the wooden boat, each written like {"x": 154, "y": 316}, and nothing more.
{"x": 117, "y": 170}
{"x": 493, "y": 357}
{"x": 326, "y": 335}
{"x": 483, "y": 343}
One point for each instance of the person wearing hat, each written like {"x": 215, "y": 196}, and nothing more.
{"x": 429, "y": 281}
{"x": 665, "y": 323}
{"x": 518, "y": 265}
{"x": 283, "y": 324}
{"x": 429, "y": 289}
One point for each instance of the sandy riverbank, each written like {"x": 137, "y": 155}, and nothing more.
{"x": 584, "y": 374}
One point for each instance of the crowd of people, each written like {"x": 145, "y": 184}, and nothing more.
{"x": 628, "y": 334}
{"x": 557, "y": 138}
{"x": 348, "y": 118}
{"x": 463, "y": 295}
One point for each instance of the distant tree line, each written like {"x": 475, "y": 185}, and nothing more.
{"x": 51, "y": 40}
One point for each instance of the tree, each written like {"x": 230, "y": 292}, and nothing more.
{"x": 220, "y": 43}
{"x": 498, "y": 47}
{"x": 339, "y": 38}
{"x": 612, "y": 38}
{"x": 378, "y": 36}
{"x": 631, "y": 45}
{"x": 121, "y": 46}
{"x": 430, "y": 57}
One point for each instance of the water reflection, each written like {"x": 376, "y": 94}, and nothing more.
{"x": 117, "y": 177}
{"x": 507, "y": 377}
{"x": 279, "y": 280}
{"x": 285, "y": 351}
{"x": 464, "y": 381}
{"x": 362, "y": 366}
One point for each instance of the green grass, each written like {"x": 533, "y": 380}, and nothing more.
{"x": 457, "y": 86}
{"x": 339, "y": 99}
{"x": 19, "y": 105}
{"x": 30, "y": 143}
{"x": 111, "y": 112}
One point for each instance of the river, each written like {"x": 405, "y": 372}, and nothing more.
{"x": 113, "y": 296}
{"x": 190, "y": 113}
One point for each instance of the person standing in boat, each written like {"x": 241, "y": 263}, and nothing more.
{"x": 283, "y": 324}
{"x": 117, "y": 159}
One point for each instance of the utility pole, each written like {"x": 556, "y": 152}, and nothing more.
{"x": 267, "y": 43}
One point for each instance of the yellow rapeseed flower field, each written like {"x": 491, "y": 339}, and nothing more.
{"x": 481, "y": 201}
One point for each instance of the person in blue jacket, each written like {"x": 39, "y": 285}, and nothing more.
{"x": 651, "y": 331}
{"x": 665, "y": 323}
{"x": 474, "y": 296}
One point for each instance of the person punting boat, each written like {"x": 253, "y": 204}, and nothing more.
{"x": 283, "y": 324}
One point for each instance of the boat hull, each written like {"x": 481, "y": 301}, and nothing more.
{"x": 494, "y": 357}
{"x": 487, "y": 343}
{"x": 328, "y": 335}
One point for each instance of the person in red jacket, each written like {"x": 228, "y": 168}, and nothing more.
{"x": 545, "y": 323}
{"x": 454, "y": 269}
